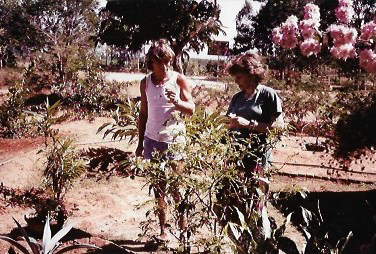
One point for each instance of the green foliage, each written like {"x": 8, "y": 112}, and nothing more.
{"x": 210, "y": 182}
{"x": 186, "y": 24}
{"x": 317, "y": 239}
{"x": 10, "y": 76}
{"x": 14, "y": 121}
{"x": 195, "y": 67}
{"x": 354, "y": 132}
{"x": 126, "y": 122}
{"x": 63, "y": 164}
{"x": 59, "y": 29}
{"x": 49, "y": 245}
{"x": 62, "y": 167}
{"x": 90, "y": 93}
{"x": 308, "y": 105}
{"x": 17, "y": 35}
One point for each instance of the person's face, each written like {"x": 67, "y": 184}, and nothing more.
{"x": 160, "y": 65}
{"x": 244, "y": 81}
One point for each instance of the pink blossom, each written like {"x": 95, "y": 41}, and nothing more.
{"x": 310, "y": 46}
{"x": 291, "y": 22}
{"x": 367, "y": 60}
{"x": 368, "y": 31}
{"x": 277, "y": 35}
{"x": 345, "y": 3}
{"x": 312, "y": 11}
{"x": 345, "y": 11}
{"x": 345, "y": 14}
{"x": 343, "y": 51}
{"x": 289, "y": 30}
{"x": 342, "y": 34}
{"x": 309, "y": 28}
{"x": 289, "y": 41}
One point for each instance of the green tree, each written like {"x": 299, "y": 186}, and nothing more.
{"x": 54, "y": 32}
{"x": 186, "y": 24}
{"x": 18, "y": 37}
{"x": 67, "y": 27}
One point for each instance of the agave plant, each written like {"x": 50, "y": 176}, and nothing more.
{"x": 49, "y": 245}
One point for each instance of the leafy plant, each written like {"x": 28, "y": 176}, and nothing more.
{"x": 354, "y": 132}
{"x": 62, "y": 167}
{"x": 49, "y": 245}
{"x": 318, "y": 240}
{"x": 126, "y": 125}
{"x": 210, "y": 175}
{"x": 14, "y": 121}
{"x": 63, "y": 163}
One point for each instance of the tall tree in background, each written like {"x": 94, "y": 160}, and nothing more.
{"x": 186, "y": 24}
{"x": 67, "y": 27}
{"x": 18, "y": 37}
{"x": 52, "y": 31}
{"x": 254, "y": 31}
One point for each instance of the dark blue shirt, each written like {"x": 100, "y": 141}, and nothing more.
{"x": 264, "y": 106}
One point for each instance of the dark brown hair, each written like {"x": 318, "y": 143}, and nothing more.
{"x": 159, "y": 51}
{"x": 249, "y": 63}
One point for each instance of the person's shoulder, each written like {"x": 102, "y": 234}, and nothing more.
{"x": 238, "y": 95}
{"x": 143, "y": 82}
{"x": 266, "y": 89}
{"x": 179, "y": 76}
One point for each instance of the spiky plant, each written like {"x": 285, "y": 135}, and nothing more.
{"x": 49, "y": 245}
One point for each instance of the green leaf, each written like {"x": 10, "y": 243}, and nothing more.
{"x": 46, "y": 233}
{"x": 15, "y": 244}
{"x": 56, "y": 238}
{"x": 102, "y": 127}
{"x": 234, "y": 230}
{"x": 345, "y": 243}
{"x": 311, "y": 247}
{"x": 287, "y": 245}
{"x": 33, "y": 246}
{"x": 307, "y": 215}
{"x": 266, "y": 224}
{"x": 281, "y": 230}
{"x": 53, "y": 108}
{"x": 241, "y": 218}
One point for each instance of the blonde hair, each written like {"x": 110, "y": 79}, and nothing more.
{"x": 249, "y": 63}
{"x": 159, "y": 51}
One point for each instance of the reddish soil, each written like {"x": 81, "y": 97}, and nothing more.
{"x": 105, "y": 210}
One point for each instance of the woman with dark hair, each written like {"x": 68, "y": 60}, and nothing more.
{"x": 163, "y": 93}
{"x": 256, "y": 109}
{"x": 252, "y": 113}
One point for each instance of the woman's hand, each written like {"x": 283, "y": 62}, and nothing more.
{"x": 238, "y": 122}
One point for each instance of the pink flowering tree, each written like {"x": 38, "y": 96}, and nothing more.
{"x": 344, "y": 37}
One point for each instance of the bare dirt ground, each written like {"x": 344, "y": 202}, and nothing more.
{"x": 105, "y": 209}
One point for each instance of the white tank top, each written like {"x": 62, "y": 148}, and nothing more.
{"x": 162, "y": 124}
